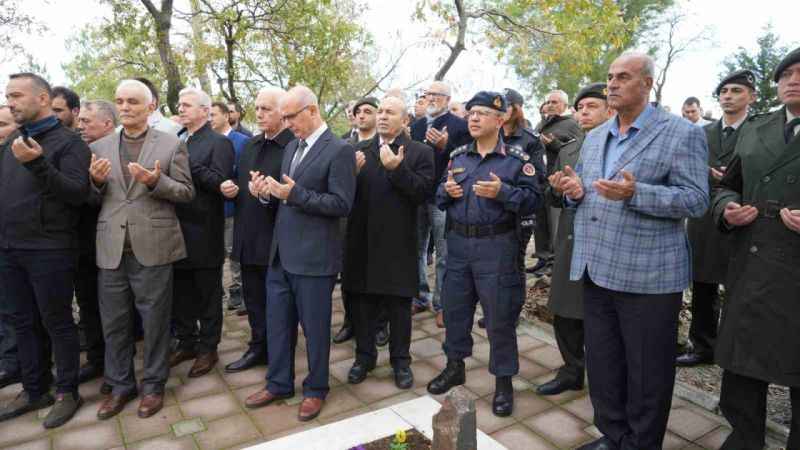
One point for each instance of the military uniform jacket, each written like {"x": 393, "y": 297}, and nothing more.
{"x": 759, "y": 333}
{"x": 380, "y": 254}
{"x": 711, "y": 247}
{"x": 566, "y": 296}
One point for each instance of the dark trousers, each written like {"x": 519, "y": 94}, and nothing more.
{"x": 86, "y": 295}
{"x": 541, "y": 234}
{"x": 631, "y": 344}
{"x": 124, "y": 291}
{"x": 38, "y": 285}
{"x": 485, "y": 270}
{"x": 705, "y": 317}
{"x": 293, "y": 299}
{"x": 369, "y": 309}
{"x": 197, "y": 309}
{"x": 8, "y": 337}
{"x": 254, "y": 289}
{"x": 743, "y": 401}
{"x": 569, "y": 337}
{"x": 350, "y": 313}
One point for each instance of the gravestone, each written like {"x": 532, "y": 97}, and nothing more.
{"x": 455, "y": 425}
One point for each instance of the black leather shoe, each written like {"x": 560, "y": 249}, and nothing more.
{"x": 8, "y": 378}
{"x": 358, "y": 373}
{"x": 404, "y": 378}
{"x": 603, "y": 443}
{"x": 89, "y": 371}
{"x": 691, "y": 359}
{"x": 382, "y": 336}
{"x": 557, "y": 386}
{"x": 452, "y": 375}
{"x": 344, "y": 334}
{"x": 503, "y": 403}
{"x": 248, "y": 360}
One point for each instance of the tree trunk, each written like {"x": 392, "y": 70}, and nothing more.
{"x": 458, "y": 47}
{"x": 197, "y": 37}
{"x": 163, "y": 21}
{"x": 230, "y": 67}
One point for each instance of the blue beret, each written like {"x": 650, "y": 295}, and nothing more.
{"x": 488, "y": 99}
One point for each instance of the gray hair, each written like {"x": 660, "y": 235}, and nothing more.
{"x": 139, "y": 86}
{"x": 105, "y": 109}
{"x": 400, "y": 102}
{"x": 445, "y": 87}
{"x": 202, "y": 98}
{"x": 648, "y": 64}
{"x": 561, "y": 95}
{"x": 305, "y": 95}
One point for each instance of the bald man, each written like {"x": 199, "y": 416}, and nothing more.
{"x": 315, "y": 190}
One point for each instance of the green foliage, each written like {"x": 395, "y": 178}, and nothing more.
{"x": 15, "y": 26}
{"x": 762, "y": 62}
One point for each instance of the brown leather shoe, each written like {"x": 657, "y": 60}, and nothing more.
{"x": 309, "y": 408}
{"x": 181, "y": 356}
{"x": 264, "y": 398}
{"x": 150, "y": 404}
{"x": 113, "y": 405}
{"x": 440, "y": 319}
{"x": 203, "y": 364}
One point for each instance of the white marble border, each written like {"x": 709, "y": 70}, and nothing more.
{"x": 348, "y": 433}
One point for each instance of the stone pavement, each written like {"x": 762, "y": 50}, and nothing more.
{"x": 209, "y": 412}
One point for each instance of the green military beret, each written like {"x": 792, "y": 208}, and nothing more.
{"x": 792, "y": 58}
{"x": 596, "y": 90}
{"x": 743, "y": 77}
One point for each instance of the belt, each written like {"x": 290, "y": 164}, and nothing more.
{"x": 481, "y": 231}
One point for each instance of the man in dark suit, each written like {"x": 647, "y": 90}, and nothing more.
{"x": 254, "y": 221}
{"x": 710, "y": 247}
{"x": 395, "y": 175}
{"x": 198, "y": 278}
{"x": 315, "y": 191}
{"x": 444, "y": 132}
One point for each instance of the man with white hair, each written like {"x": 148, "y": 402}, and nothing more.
{"x": 197, "y": 307}
{"x": 314, "y": 192}
{"x": 141, "y": 174}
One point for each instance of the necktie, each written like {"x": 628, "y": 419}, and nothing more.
{"x": 788, "y": 132}
{"x": 727, "y": 131}
{"x": 298, "y": 155}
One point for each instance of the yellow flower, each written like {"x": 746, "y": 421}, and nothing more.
{"x": 400, "y": 436}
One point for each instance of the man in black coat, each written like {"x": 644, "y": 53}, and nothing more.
{"x": 395, "y": 175}
{"x": 254, "y": 221}
{"x": 44, "y": 178}
{"x": 197, "y": 285}
{"x": 444, "y": 132}
{"x": 711, "y": 247}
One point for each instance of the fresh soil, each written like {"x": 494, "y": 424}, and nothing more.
{"x": 414, "y": 439}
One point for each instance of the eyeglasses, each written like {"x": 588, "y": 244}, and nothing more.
{"x": 480, "y": 113}
{"x": 435, "y": 94}
{"x": 293, "y": 115}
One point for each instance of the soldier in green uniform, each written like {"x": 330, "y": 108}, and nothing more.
{"x": 710, "y": 247}
{"x": 759, "y": 204}
{"x": 566, "y": 296}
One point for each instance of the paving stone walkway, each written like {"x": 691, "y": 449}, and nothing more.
{"x": 209, "y": 413}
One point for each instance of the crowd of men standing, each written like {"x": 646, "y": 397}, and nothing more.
{"x": 134, "y": 215}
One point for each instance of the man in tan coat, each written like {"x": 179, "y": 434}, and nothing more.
{"x": 141, "y": 173}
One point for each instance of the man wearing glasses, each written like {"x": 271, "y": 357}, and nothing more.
{"x": 443, "y": 131}
{"x": 314, "y": 192}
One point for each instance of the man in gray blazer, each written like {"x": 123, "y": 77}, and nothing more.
{"x": 638, "y": 177}
{"x": 141, "y": 173}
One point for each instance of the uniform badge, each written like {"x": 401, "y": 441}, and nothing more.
{"x": 528, "y": 169}
{"x": 458, "y": 170}
{"x": 498, "y": 102}
{"x": 605, "y": 92}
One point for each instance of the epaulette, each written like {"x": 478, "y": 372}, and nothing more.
{"x": 459, "y": 150}
{"x": 531, "y": 132}
{"x": 517, "y": 152}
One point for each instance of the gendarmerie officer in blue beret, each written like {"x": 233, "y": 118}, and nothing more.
{"x": 489, "y": 185}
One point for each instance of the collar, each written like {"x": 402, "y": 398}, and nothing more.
{"x": 40, "y": 126}
{"x": 395, "y": 140}
{"x": 499, "y": 148}
{"x": 432, "y": 118}
{"x": 638, "y": 124}
{"x": 228, "y": 133}
{"x": 789, "y": 115}
{"x": 312, "y": 139}
{"x": 155, "y": 117}
{"x": 734, "y": 125}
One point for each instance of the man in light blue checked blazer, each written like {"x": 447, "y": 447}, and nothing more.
{"x": 640, "y": 174}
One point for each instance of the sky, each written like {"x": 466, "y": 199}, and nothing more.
{"x": 731, "y": 24}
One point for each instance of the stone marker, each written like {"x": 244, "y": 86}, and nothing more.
{"x": 455, "y": 425}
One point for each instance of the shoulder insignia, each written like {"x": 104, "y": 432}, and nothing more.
{"x": 517, "y": 152}
{"x": 459, "y": 150}
{"x": 528, "y": 169}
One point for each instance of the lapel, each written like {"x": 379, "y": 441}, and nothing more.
{"x": 714, "y": 139}
{"x": 312, "y": 153}
{"x": 116, "y": 161}
{"x": 288, "y": 156}
{"x": 148, "y": 147}
{"x": 639, "y": 143}
{"x": 771, "y": 135}
{"x": 594, "y": 152}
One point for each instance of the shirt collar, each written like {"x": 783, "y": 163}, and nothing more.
{"x": 637, "y": 124}
{"x": 499, "y": 148}
{"x": 311, "y": 140}
{"x": 790, "y": 116}
{"x": 40, "y": 126}
{"x": 734, "y": 125}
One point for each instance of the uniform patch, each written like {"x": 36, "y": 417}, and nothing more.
{"x": 529, "y": 170}
{"x": 458, "y": 170}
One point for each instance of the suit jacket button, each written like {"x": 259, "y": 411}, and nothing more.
{"x": 122, "y": 226}
{"x": 766, "y": 179}
{"x": 753, "y": 249}
{"x": 594, "y": 219}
